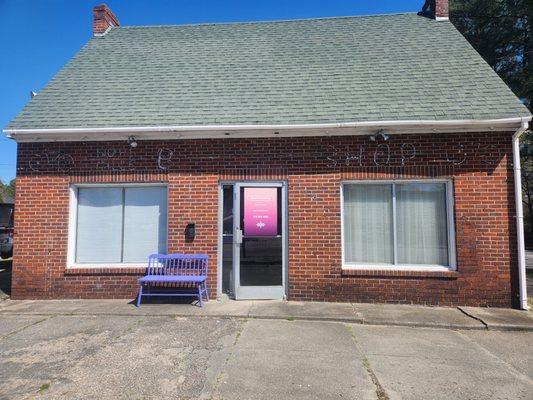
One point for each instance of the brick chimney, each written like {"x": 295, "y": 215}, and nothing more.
{"x": 103, "y": 20}
{"x": 441, "y": 9}
{"x": 435, "y": 9}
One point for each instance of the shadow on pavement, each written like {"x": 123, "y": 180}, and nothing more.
{"x": 5, "y": 278}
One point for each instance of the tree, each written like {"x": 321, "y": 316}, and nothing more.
{"x": 526, "y": 157}
{"x": 501, "y": 31}
{"x": 8, "y": 189}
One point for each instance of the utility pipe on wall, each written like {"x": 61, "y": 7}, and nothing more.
{"x": 520, "y": 215}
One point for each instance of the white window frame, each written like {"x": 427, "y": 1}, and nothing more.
{"x": 405, "y": 267}
{"x": 73, "y": 222}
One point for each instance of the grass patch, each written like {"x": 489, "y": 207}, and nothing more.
{"x": 291, "y": 318}
{"x": 44, "y": 387}
{"x": 239, "y": 331}
{"x": 128, "y": 330}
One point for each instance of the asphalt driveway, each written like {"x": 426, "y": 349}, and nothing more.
{"x": 145, "y": 357}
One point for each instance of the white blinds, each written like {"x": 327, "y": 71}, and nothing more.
{"x": 145, "y": 223}
{"x": 99, "y": 235}
{"x": 120, "y": 224}
{"x": 422, "y": 226}
{"x": 400, "y": 223}
{"x": 368, "y": 223}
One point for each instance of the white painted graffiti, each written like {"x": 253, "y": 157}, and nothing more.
{"x": 105, "y": 158}
{"x": 56, "y": 159}
{"x": 164, "y": 156}
{"x": 488, "y": 155}
{"x": 408, "y": 152}
{"x": 332, "y": 160}
{"x": 384, "y": 154}
{"x": 130, "y": 159}
{"x": 457, "y": 157}
{"x": 354, "y": 158}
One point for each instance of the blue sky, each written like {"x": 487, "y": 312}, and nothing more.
{"x": 39, "y": 36}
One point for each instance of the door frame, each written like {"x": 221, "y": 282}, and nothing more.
{"x": 236, "y": 213}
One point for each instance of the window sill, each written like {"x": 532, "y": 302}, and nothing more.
{"x": 440, "y": 273}
{"x": 106, "y": 269}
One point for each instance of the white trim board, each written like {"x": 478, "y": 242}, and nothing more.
{"x": 254, "y": 131}
{"x": 450, "y": 225}
{"x": 73, "y": 224}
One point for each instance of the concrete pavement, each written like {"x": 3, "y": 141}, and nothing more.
{"x": 370, "y": 314}
{"x": 444, "y": 364}
{"x": 109, "y": 356}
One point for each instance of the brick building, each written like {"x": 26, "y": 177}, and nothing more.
{"x": 340, "y": 159}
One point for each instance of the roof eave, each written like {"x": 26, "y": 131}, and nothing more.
{"x": 274, "y": 130}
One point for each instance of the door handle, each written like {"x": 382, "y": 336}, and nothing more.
{"x": 238, "y": 236}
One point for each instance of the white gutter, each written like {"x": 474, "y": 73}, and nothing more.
{"x": 176, "y": 128}
{"x": 520, "y": 214}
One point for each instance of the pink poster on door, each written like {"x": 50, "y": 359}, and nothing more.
{"x": 260, "y": 211}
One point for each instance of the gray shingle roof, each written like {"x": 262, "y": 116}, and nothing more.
{"x": 352, "y": 69}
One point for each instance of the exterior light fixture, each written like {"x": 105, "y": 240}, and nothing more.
{"x": 381, "y": 133}
{"x": 132, "y": 142}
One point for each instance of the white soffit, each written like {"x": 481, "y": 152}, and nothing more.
{"x": 259, "y": 131}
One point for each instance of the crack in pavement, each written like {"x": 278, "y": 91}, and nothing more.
{"x": 127, "y": 330}
{"x": 27, "y": 326}
{"x": 381, "y": 394}
{"x": 64, "y": 371}
{"x": 474, "y": 317}
{"x": 218, "y": 379}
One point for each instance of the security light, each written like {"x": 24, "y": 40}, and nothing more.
{"x": 380, "y": 133}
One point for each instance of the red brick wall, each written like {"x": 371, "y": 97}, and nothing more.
{"x": 480, "y": 166}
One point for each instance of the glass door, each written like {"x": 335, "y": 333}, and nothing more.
{"x": 259, "y": 252}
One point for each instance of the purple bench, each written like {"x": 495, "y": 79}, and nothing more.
{"x": 179, "y": 271}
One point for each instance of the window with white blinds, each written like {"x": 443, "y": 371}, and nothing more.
{"x": 397, "y": 224}
{"x": 117, "y": 225}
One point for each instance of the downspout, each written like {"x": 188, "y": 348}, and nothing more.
{"x": 520, "y": 215}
